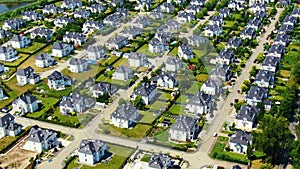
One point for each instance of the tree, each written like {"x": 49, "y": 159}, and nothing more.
{"x": 235, "y": 26}
{"x": 266, "y": 166}
{"x": 205, "y": 11}
{"x": 295, "y": 154}
{"x": 253, "y": 71}
{"x": 121, "y": 101}
{"x": 103, "y": 98}
{"x": 272, "y": 138}
{"x": 200, "y": 15}
{"x": 296, "y": 72}
{"x": 139, "y": 103}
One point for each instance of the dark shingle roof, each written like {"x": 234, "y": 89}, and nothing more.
{"x": 124, "y": 111}
{"x": 39, "y": 135}
{"x": 91, "y": 146}
{"x": 184, "y": 123}
{"x": 248, "y": 113}
{"x": 241, "y": 137}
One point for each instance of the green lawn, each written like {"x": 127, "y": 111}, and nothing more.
{"x": 17, "y": 62}
{"x": 52, "y": 92}
{"x": 121, "y": 62}
{"x": 162, "y": 136}
{"x": 157, "y": 105}
{"x": 47, "y": 103}
{"x": 165, "y": 96}
{"x": 91, "y": 73}
{"x": 145, "y": 49}
{"x": 5, "y": 141}
{"x": 223, "y": 139}
{"x": 177, "y": 109}
{"x": 183, "y": 99}
{"x": 194, "y": 88}
{"x": 146, "y": 158}
{"x": 35, "y": 46}
{"x": 109, "y": 60}
{"x": 174, "y": 52}
{"x": 113, "y": 81}
{"x": 199, "y": 53}
{"x": 148, "y": 117}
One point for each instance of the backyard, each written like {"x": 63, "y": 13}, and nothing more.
{"x": 35, "y": 46}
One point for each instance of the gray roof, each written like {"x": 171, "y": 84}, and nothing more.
{"x": 260, "y": 14}
{"x": 186, "y": 49}
{"x": 256, "y": 92}
{"x": 282, "y": 38}
{"x": 213, "y": 82}
{"x": 78, "y": 61}
{"x": 39, "y": 135}
{"x": 59, "y": 45}
{"x": 264, "y": 75}
{"x": 75, "y": 35}
{"x": 201, "y": 99}
{"x": 236, "y": 42}
{"x": 226, "y": 54}
{"x": 173, "y": 61}
{"x": 42, "y": 31}
{"x": 58, "y": 76}
{"x": 4, "y": 49}
{"x": 16, "y": 38}
{"x": 167, "y": 77}
{"x": 75, "y": 99}
{"x": 6, "y": 119}
{"x": 123, "y": 69}
{"x": 184, "y": 14}
{"x": 290, "y": 19}
{"x": 248, "y": 113}
{"x": 117, "y": 39}
{"x": 197, "y": 39}
{"x": 212, "y": 27}
{"x": 91, "y": 146}
{"x": 277, "y": 48}
{"x": 142, "y": 20}
{"x": 286, "y": 28}
{"x": 64, "y": 19}
{"x": 296, "y": 11}
{"x": 248, "y": 31}
{"x": 132, "y": 30}
{"x": 255, "y": 22}
{"x": 220, "y": 71}
{"x": 82, "y": 12}
{"x": 25, "y": 72}
{"x": 42, "y": 56}
{"x": 145, "y": 89}
{"x": 104, "y": 87}
{"x": 159, "y": 161}
{"x": 92, "y": 48}
{"x": 124, "y": 111}
{"x": 184, "y": 123}
{"x": 241, "y": 137}
{"x": 155, "y": 42}
{"x": 28, "y": 98}
{"x": 136, "y": 55}
{"x": 224, "y": 11}
{"x": 271, "y": 61}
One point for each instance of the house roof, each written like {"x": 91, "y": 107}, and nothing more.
{"x": 159, "y": 161}
{"x": 78, "y": 61}
{"x": 213, "y": 82}
{"x": 145, "y": 89}
{"x": 173, "y": 61}
{"x": 184, "y": 123}
{"x": 104, "y": 87}
{"x": 286, "y": 28}
{"x": 39, "y": 135}
{"x": 123, "y": 69}
{"x": 248, "y": 31}
{"x": 25, "y": 72}
{"x": 59, "y": 45}
{"x": 254, "y": 22}
{"x": 17, "y": 38}
{"x": 58, "y": 76}
{"x": 124, "y": 111}
{"x": 117, "y": 39}
{"x": 220, "y": 71}
{"x": 201, "y": 99}
{"x": 264, "y": 75}
{"x": 167, "y": 77}
{"x": 137, "y": 55}
{"x": 132, "y": 30}
{"x": 256, "y": 92}
{"x": 248, "y": 113}
{"x": 270, "y": 61}
{"x": 226, "y": 54}
{"x": 95, "y": 49}
{"x": 42, "y": 56}
{"x": 236, "y": 42}
{"x": 42, "y": 31}
{"x": 282, "y": 38}
{"x": 277, "y": 48}
{"x": 241, "y": 137}
{"x": 28, "y": 98}
{"x": 91, "y": 146}
{"x": 6, "y": 119}
{"x": 186, "y": 49}
{"x": 197, "y": 39}
{"x": 75, "y": 35}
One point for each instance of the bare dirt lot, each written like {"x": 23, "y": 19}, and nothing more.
{"x": 17, "y": 157}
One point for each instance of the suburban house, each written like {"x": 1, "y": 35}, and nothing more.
{"x": 290, "y": 20}
{"x": 221, "y": 71}
{"x": 44, "y": 60}
{"x": 123, "y": 73}
{"x": 91, "y": 151}
{"x": 224, "y": 12}
{"x": 265, "y": 78}
{"x": 143, "y": 5}
{"x": 201, "y": 103}
{"x": 8, "y": 127}
{"x": 42, "y": 33}
{"x": 97, "y": 8}
{"x": 91, "y": 26}
{"x": 184, "y": 129}
{"x": 156, "y": 14}
{"x": 131, "y": 32}
{"x": 58, "y": 81}
{"x": 41, "y": 139}
{"x": 213, "y": 30}
{"x": 117, "y": 42}
{"x": 32, "y": 16}
{"x": 296, "y": 13}
{"x": 18, "y": 41}
{"x": 256, "y": 95}
{"x": 166, "y": 81}
{"x": 142, "y": 22}
{"x": 5, "y": 33}
{"x": 194, "y": 9}
{"x": 185, "y": 17}
{"x": 236, "y": 6}
{"x": 60, "y": 49}
{"x": 101, "y": 88}
{"x": 285, "y": 3}
{"x": 8, "y": 54}
{"x": 248, "y": 33}
{"x": 125, "y": 116}
{"x": 240, "y": 141}
{"x": 71, "y": 4}
{"x": 173, "y": 64}
{"x": 260, "y": 14}
{"x": 82, "y": 13}
{"x": 216, "y": 20}
{"x": 27, "y": 76}
{"x": 147, "y": 91}
{"x": 52, "y": 9}
{"x": 226, "y": 56}
{"x": 2, "y": 95}
{"x": 75, "y": 103}
{"x": 286, "y": 29}
{"x": 115, "y": 3}
{"x": 270, "y": 63}
{"x": 197, "y": 40}
{"x": 78, "y": 65}
{"x": 78, "y": 39}
{"x": 25, "y": 103}
{"x": 246, "y": 117}
{"x": 185, "y": 51}
{"x": 167, "y": 7}
{"x": 276, "y": 50}
{"x": 282, "y": 39}
{"x": 13, "y": 24}
{"x": 96, "y": 52}
{"x": 234, "y": 43}
{"x": 162, "y": 161}
{"x": 62, "y": 21}
{"x": 255, "y": 23}
{"x": 136, "y": 59}
{"x": 212, "y": 86}
{"x": 197, "y": 2}
{"x": 156, "y": 46}
{"x": 172, "y": 25}
{"x": 113, "y": 19}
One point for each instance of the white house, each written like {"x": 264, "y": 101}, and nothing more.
{"x": 265, "y": 78}
{"x": 166, "y": 81}
{"x": 123, "y": 73}
{"x": 19, "y": 41}
{"x": 270, "y": 63}
{"x": 117, "y": 42}
{"x": 8, "y": 54}
{"x": 213, "y": 30}
{"x": 27, "y": 76}
{"x": 256, "y": 95}
{"x": 2, "y": 96}
{"x": 246, "y": 117}
{"x": 78, "y": 65}
{"x": 75, "y": 103}
{"x": 78, "y": 39}
{"x": 147, "y": 91}
{"x": 71, "y": 4}
{"x": 136, "y": 59}
{"x": 184, "y": 128}
{"x": 185, "y": 51}
{"x": 58, "y": 81}
{"x": 92, "y": 25}
{"x": 41, "y": 139}
{"x": 25, "y": 103}
{"x": 42, "y": 33}
{"x": 212, "y": 86}
{"x": 201, "y": 103}
{"x": 60, "y": 49}
{"x": 8, "y": 127}
{"x": 125, "y": 116}
{"x": 96, "y": 52}
{"x": 91, "y": 151}
{"x": 240, "y": 141}
{"x": 162, "y": 161}
{"x": 44, "y": 60}
{"x": 173, "y": 64}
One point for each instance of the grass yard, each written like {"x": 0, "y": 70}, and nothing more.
{"x": 146, "y": 158}
{"x": 147, "y": 117}
{"x": 12, "y": 83}
{"x": 17, "y": 62}
{"x": 177, "y": 109}
{"x": 162, "y": 136}
{"x": 165, "y": 95}
{"x": 109, "y": 60}
{"x": 51, "y": 92}
{"x": 184, "y": 99}
{"x": 157, "y": 105}
{"x": 91, "y": 73}
{"x": 113, "y": 81}
{"x": 174, "y": 52}
{"x": 35, "y": 46}
{"x": 47, "y": 103}
{"x": 194, "y": 88}
{"x": 5, "y": 141}
{"x": 121, "y": 62}
{"x": 145, "y": 49}
{"x": 199, "y": 53}
{"x": 202, "y": 77}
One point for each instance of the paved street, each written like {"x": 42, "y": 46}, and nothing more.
{"x": 200, "y": 158}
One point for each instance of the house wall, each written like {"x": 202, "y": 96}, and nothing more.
{"x": 178, "y": 135}
{"x": 33, "y": 146}
{"x": 237, "y": 148}
{"x": 86, "y": 158}
{"x": 244, "y": 125}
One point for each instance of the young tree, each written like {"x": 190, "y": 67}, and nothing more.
{"x": 139, "y": 103}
